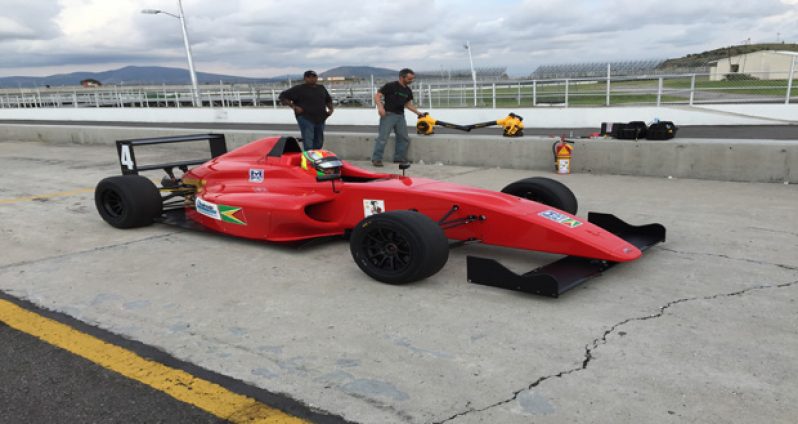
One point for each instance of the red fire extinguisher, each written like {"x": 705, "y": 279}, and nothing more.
{"x": 563, "y": 152}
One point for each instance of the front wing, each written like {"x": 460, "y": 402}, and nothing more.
{"x": 560, "y": 276}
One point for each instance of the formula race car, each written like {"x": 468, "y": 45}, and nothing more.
{"x": 400, "y": 228}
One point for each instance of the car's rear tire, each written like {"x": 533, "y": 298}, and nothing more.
{"x": 545, "y": 190}
{"x": 399, "y": 247}
{"x": 128, "y": 201}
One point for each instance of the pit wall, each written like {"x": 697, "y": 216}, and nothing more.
{"x": 726, "y": 160}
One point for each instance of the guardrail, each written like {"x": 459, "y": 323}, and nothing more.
{"x": 681, "y": 89}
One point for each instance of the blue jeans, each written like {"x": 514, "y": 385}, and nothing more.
{"x": 395, "y": 122}
{"x": 312, "y": 133}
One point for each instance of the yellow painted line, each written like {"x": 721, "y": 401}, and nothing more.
{"x": 45, "y": 196}
{"x": 176, "y": 383}
{"x": 53, "y": 195}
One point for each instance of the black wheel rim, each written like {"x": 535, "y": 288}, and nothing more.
{"x": 387, "y": 250}
{"x": 112, "y": 204}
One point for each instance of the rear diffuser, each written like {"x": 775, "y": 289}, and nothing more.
{"x": 562, "y": 275}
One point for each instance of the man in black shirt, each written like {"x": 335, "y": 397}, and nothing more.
{"x": 396, "y": 97}
{"x": 312, "y": 105}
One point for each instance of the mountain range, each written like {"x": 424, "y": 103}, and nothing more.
{"x": 156, "y": 75}
{"x": 138, "y": 75}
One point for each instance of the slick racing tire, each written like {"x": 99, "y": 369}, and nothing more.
{"x": 544, "y": 190}
{"x": 399, "y": 247}
{"x": 128, "y": 201}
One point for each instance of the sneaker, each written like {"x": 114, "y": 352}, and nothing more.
{"x": 376, "y": 163}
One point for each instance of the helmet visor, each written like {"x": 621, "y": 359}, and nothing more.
{"x": 328, "y": 165}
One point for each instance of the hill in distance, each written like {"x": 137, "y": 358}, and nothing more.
{"x": 156, "y": 75}
{"x": 132, "y": 75}
{"x": 704, "y": 58}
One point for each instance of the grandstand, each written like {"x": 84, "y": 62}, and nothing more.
{"x": 597, "y": 69}
{"x": 483, "y": 74}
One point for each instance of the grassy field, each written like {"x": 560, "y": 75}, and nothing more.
{"x": 761, "y": 87}
{"x": 675, "y": 90}
{"x": 593, "y": 95}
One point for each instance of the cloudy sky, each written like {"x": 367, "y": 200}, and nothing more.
{"x": 261, "y": 38}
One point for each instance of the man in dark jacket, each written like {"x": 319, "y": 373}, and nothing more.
{"x": 312, "y": 105}
{"x": 396, "y": 97}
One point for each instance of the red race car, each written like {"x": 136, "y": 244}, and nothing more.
{"x": 400, "y": 228}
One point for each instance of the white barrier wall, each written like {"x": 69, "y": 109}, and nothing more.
{"x": 540, "y": 117}
{"x": 727, "y": 160}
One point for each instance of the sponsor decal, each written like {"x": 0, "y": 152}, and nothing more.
{"x": 224, "y": 213}
{"x": 373, "y": 207}
{"x": 256, "y": 175}
{"x": 560, "y": 218}
{"x": 207, "y": 208}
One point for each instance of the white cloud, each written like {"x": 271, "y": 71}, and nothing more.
{"x": 26, "y": 20}
{"x": 12, "y": 29}
{"x": 270, "y": 37}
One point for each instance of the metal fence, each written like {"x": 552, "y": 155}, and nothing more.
{"x": 682, "y": 89}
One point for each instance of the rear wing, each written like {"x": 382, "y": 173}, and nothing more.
{"x": 127, "y": 157}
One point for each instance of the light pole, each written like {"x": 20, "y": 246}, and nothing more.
{"x": 181, "y": 16}
{"x": 473, "y": 72}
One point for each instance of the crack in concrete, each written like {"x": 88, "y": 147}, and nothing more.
{"x": 467, "y": 172}
{"x": 768, "y": 230}
{"x": 718, "y": 255}
{"x": 598, "y": 341}
{"x": 83, "y": 252}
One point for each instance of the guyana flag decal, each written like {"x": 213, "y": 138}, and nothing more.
{"x": 232, "y": 214}
{"x": 224, "y": 213}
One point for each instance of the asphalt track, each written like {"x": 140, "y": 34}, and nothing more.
{"x": 46, "y": 382}
{"x": 752, "y": 132}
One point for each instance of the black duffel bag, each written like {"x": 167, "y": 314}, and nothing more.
{"x": 662, "y": 130}
{"x": 632, "y": 131}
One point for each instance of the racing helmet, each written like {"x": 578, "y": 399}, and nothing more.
{"x": 319, "y": 162}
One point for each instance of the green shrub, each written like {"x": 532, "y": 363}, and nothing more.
{"x": 740, "y": 77}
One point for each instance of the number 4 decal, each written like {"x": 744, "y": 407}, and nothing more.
{"x": 125, "y": 158}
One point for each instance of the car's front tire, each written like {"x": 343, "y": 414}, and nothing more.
{"x": 399, "y": 247}
{"x": 128, "y": 201}
{"x": 546, "y": 191}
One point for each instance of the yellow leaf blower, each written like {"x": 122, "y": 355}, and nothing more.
{"x": 512, "y": 124}
{"x": 426, "y": 125}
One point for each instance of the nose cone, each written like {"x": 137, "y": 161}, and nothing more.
{"x": 627, "y": 252}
